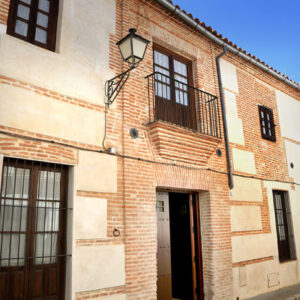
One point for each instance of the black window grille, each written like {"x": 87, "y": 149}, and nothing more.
{"x": 33, "y": 216}
{"x": 284, "y": 226}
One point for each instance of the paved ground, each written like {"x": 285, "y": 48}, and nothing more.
{"x": 289, "y": 293}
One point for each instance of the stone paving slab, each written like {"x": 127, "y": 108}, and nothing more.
{"x": 289, "y": 293}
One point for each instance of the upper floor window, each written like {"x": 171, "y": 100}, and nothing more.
{"x": 267, "y": 123}
{"x": 34, "y": 21}
{"x": 174, "y": 97}
{"x": 284, "y": 226}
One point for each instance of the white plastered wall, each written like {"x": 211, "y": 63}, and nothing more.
{"x": 230, "y": 84}
{"x": 245, "y": 218}
{"x": 257, "y": 278}
{"x": 91, "y": 218}
{"x": 243, "y": 161}
{"x": 3, "y": 29}
{"x": 229, "y": 77}
{"x": 78, "y": 68}
{"x": 293, "y": 156}
{"x": 26, "y": 110}
{"x": 246, "y": 189}
{"x": 97, "y": 266}
{"x": 264, "y": 245}
{"x": 80, "y": 65}
{"x": 289, "y": 112}
{"x": 254, "y": 246}
{"x": 97, "y": 172}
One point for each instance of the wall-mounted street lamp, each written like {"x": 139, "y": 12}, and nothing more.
{"x": 133, "y": 48}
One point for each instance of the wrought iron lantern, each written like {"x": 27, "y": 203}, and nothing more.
{"x": 133, "y": 48}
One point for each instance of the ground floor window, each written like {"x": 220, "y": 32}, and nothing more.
{"x": 284, "y": 226}
{"x": 32, "y": 230}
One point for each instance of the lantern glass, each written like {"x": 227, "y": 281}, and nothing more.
{"x": 125, "y": 48}
{"x": 133, "y": 47}
{"x": 139, "y": 48}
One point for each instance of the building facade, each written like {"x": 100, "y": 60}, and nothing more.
{"x": 156, "y": 219}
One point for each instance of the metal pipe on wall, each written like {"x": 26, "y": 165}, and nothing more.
{"x": 229, "y": 166}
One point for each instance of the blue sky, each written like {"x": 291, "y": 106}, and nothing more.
{"x": 269, "y": 29}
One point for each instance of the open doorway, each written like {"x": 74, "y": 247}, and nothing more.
{"x": 179, "y": 247}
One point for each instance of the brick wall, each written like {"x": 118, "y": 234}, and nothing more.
{"x": 133, "y": 208}
{"x": 35, "y": 150}
{"x": 162, "y": 28}
{"x": 142, "y": 178}
{"x": 4, "y": 7}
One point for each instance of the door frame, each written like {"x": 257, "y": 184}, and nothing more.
{"x": 196, "y": 243}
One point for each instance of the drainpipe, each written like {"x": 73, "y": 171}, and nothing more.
{"x": 229, "y": 166}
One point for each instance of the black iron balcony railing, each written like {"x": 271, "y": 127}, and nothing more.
{"x": 176, "y": 102}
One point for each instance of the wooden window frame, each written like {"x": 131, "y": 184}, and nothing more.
{"x": 266, "y": 135}
{"x": 30, "y": 267}
{"x": 32, "y": 22}
{"x": 173, "y": 56}
{"x": 289, "y": 252}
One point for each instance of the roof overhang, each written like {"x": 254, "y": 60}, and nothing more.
{"x": 218, "y": 39}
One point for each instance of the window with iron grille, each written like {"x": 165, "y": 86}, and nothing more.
{"x": 284, "y": 226}
{"x": 33, "y": 213}
{"x": 34, "y": 21}
{"x": 267, "y": 123}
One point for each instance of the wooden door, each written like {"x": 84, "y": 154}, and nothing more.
{"x": 32, "y": 225}
{"x": 164, "y": 281}
{"x": 197, "y": 246}
{"x": 179, "y": 259}
{"x": 184, "y": 94}
{"x": 193, "y": 247}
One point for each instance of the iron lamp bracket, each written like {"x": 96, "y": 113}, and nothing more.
{"x": 114, "y": 85}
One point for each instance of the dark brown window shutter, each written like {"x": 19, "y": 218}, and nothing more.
{"x": 267, "y": 124}
{"x": 284, "y": 226}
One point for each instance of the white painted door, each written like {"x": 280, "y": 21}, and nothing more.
{"x": 164, "y": 284}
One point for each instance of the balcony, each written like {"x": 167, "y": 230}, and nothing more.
{"x": 175, "y": 102}
{"x": 184, "y": 121}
